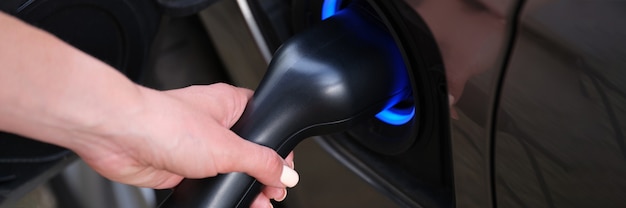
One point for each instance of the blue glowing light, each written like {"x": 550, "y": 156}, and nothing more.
{"x": 396, "y": 116}
{"x": 329, "y": 8}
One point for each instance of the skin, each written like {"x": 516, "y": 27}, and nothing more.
{"x": 54, "y": 93}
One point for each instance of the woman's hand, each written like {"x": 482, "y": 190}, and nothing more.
{"x": 185, "y": 133}
{"x": 130, "y": 134}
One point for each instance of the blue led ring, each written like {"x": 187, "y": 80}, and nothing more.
{"x": 396, "y": 116}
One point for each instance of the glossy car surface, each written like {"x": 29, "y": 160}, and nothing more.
{"x": 558, "y": 137}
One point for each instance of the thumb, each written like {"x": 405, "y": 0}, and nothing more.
{"x": 256, "y": 160}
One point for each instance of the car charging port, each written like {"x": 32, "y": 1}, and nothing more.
{"x": 391, "y": 130}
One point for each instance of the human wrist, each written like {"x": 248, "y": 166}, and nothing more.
{"x": 101, "y": 126}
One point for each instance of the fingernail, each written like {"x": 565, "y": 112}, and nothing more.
{"x": 271, "y": 205}
{"x": 289, "y": 177}
{"x": 282, "y": 197}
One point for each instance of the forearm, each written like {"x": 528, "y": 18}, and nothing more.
{"x": 50, "y": 90}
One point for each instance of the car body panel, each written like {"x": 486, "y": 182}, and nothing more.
{"x": 559, "y": 138}
{"x": 474, "y": 38}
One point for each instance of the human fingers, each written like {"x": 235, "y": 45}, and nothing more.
{"x": 277, "y": 194}
{"x": 260, "y": 162}
{"x": 232, "y": 102}
{"x": 290, "y": 161}
{"x": 261, "y": 201}
{"x": 224, "y": 103}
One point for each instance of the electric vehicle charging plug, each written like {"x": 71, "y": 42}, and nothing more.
{"x": 325, "y": 80}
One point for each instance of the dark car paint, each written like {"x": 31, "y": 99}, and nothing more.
{"x": 544, "y": 126}
{"x": 559, "y": 137}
